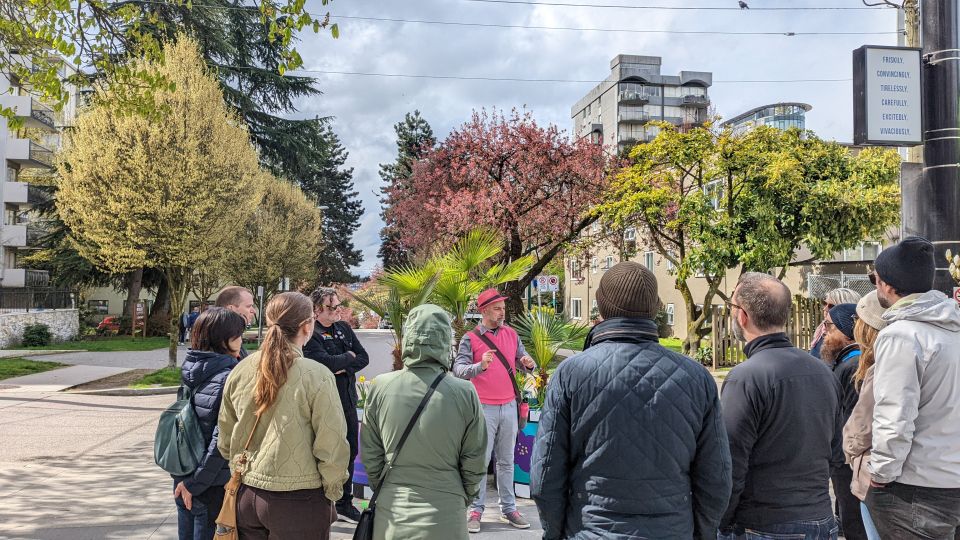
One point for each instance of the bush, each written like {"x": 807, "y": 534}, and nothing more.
{"x": 704, "y": 356}
{"x": 36, "y": 335}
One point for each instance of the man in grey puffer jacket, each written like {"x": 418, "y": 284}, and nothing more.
{"x": 915, "y": 461}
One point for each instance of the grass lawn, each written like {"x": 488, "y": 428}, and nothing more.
{"x": 106, "y": 344}
{"x": 16, "y": 367}
{"x": 161, "y": 377}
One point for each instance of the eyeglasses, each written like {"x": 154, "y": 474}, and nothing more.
{"x": 828, "y": 325}
{"x": 731, "y": 305}
{"x": 333, "y": 308}
{"x": 827, "y": 305}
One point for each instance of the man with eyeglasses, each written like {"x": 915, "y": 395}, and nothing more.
{"x": 842, "y": 354}
{"x": 833, "y": 298}
{"x": 781, "y": 408}
{"x": 335, "y": 345}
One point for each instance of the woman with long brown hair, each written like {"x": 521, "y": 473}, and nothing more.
{"x": 858, "y": 432}
{"x": 296, "y": 462}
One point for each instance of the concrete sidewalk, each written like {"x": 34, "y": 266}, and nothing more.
{"x": 57, "y": 380}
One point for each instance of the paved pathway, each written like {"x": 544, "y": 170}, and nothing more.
{"x": 57, "y": 380}
{"x": 80, "y": 467}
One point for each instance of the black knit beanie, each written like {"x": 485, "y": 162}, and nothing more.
{"x": 842, "y": 317}
{"x": 908, "y": 266}
{"x": 628, "y": 290}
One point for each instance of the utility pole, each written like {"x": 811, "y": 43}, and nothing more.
{"x": 931, "y": 206}
{"x": 908, "y": 24}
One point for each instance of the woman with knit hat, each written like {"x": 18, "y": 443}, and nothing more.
{"x": 857, "y": 433}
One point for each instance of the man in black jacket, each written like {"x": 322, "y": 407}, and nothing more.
{"x": 782, "y": 411}
{"x": 842, "y": 354}
{"x": 631, "y": 442}
{"x": 335, "y": 345}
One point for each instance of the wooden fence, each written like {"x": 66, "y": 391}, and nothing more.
{"x": 805, "y": 315}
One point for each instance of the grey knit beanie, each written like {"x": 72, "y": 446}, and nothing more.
{"x": 628, "y": 290}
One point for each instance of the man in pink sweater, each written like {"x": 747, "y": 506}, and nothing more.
{"x": 478, "y": 362}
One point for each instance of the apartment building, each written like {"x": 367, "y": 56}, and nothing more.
{"x": 617, "y": 112}
{"x": 783, "y": 115}
{"x": 26, "y": 156}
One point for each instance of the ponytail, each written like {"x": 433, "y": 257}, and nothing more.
{"x": 286, "y": 313}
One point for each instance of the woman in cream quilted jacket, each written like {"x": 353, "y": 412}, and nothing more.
{"x": 297, "y": 459}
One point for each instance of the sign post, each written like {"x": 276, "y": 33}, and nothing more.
{"x": 260, "y": 316}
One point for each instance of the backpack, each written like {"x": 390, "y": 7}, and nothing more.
{"x": 178, "y": 445}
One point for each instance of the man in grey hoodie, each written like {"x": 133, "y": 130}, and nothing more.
{"x": 915, "y": 462}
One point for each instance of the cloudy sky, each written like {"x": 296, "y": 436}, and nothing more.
{"x": 365, "y": 108}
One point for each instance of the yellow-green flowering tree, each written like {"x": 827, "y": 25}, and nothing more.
{"x": 710, "y": 201}
{"x": 165, "y": 190}
{"x": 280, "y": 238}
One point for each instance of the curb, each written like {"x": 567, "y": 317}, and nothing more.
{"x": 27, "y": 354}
{"x": 163, "y": 390}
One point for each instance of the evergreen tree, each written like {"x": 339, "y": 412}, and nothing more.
{"x": 321, "y": 173}
{"x": 414, "y": 138}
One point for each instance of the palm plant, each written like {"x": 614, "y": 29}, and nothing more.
{"x": 466, "y": 271}
{"x": 543, "y": 334}
{"x": 397, "y": 292}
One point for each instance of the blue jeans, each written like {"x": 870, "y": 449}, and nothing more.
{"x": 821, "y": 529}
{"x": 868, "y": 525}
{"x": 502, "y": 441}
{"x": 194, "y": 524}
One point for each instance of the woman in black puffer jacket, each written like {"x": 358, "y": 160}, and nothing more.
{"x": 215, "y": 344}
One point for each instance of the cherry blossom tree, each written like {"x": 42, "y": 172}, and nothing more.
{"x": 531, "y": 184}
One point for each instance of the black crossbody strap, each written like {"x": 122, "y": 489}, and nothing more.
{"x": 493, "y": 347}
{"x": 406, "y": 433}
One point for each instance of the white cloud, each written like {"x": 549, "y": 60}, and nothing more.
{"x": 366, "y": 108}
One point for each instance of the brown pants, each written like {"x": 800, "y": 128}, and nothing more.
{"x": 284, "y": 515}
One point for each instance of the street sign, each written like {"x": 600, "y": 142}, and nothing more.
{"x": 956, "y": 294}
{"x": 886, "y": 96}
{"x": 260, "y": 291}
{"x": 533, "y": 283}
{"x": 542, "y": 282}
{"x": 553, "y": 282}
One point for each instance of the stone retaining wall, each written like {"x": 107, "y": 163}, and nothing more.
{"x": 64, "y": 325}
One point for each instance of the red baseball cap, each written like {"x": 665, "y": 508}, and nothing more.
{"x": 488, "y": 297}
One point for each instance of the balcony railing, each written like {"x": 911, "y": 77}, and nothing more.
{"x": 41, "y": 154}
{"x": 696, "y": 101}
{"x": 37, "y": 278}
{"x": 43, "y": 114}
{"x": 633, "y": 97}
{"x": 34, "y": 299}
{"x": 633, "y": 116}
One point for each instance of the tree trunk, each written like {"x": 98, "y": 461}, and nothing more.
{"x": 160, "y": 314}
{"x": 177, "y": 281}
{"x": 134, "y": 285}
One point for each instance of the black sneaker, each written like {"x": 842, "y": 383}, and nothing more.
{"x": 348, "y": 513}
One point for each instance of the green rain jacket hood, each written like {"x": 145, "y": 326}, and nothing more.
{"x": 427, "y": 337}
{"x": 439, "y": 469}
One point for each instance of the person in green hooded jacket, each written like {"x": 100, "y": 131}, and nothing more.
{"x": 438, "y": 471}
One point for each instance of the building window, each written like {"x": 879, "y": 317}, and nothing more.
{"x": 671, "y": 312}
{"x": 100, "y": 307}
{"x": 648, "y": 260}
{"x": 575, "y": 271}
{"x": 594, "y": 265}
{"x": 630, "y": 235}
{"x": 714, "y": 191}
{"x": 575, "y": 309}
{"x": 670, "y": 266}
{"x": 608, "y": 263}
